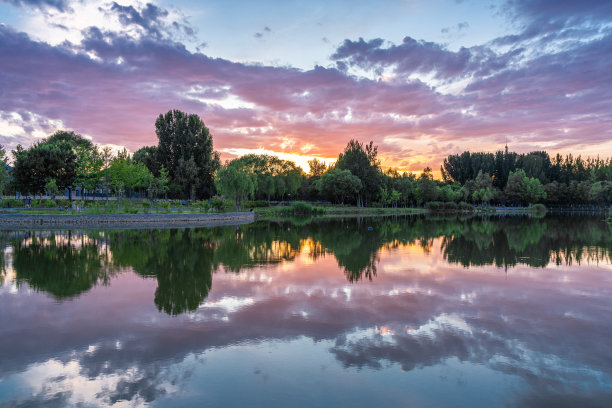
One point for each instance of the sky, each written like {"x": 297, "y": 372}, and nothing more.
{"x": 299, "y": 79}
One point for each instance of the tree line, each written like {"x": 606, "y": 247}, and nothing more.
{"x": 184, "y": 165}
{"x": 181, "y": 165}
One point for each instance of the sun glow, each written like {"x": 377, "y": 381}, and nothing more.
{"x": 299, "y": 159}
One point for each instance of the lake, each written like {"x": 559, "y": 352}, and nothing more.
{"x": 360, "y": 312}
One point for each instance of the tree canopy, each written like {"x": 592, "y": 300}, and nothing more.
{"x": 185, "y": 149}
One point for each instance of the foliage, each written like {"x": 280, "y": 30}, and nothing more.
{"x": 149, "y": 156}
{"x": 339, "y": 185}
{"x": 275, "y": 178}
{"x": 4, "y": 170}
{"x": 12, "y": 203}
{"x": 34, "y": 167}
{"x": 185, "y": 149}
{"x": 217, "y": 203}
{"x": 236, "y": 182}
{"x": 51, "y": 188}
{"x": 90, "y": 161}
{"x": 316, "y": 167}
{"x": 125, "y": 173}
{"x": 524, "y": 189}
{"x": 363, "y": 163}
{"x": 256, "y": 204}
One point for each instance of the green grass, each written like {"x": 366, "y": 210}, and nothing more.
{"x": 331, "y": 210}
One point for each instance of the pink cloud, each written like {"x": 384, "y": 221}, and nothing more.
{"x": 116, "y": 95}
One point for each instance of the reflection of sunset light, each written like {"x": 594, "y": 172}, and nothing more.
{"x": 384, "y": 331}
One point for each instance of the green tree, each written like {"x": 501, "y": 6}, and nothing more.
{"x": 186, "y": 147}
{"x": 186, "y": 175}
{"x": 515, "y": 188}
{"x": 394, "y": 197}
{"x": 149, "y": 155}
{"x": 236, "y": 182}
{"x": 275, "y": 177}
{"x": 521, "y": 188}
{"x": 5, "y": 176}
{"x": 89, "y": 167}
{"x": 427, "y": 189}
{"x": 43, "y": 161}
{"x": 339, "y": 185}
{"x": 73, "y": 139}
{"x": 534, "y": 190}
{"x": 364, "y": 164}
{"x": 159, "y": 184}
{"x": 51, "y": 188}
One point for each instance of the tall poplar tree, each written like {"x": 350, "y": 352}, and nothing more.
{"x": 183, "y": 138}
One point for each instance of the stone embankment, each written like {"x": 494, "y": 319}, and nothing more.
{"x": 18, "y": 221}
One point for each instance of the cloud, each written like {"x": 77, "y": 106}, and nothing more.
{"x": 416, "y": 94}
{"x": 60, "y": 5}
{"x": 422, "y": 57}
{"x": 153, "y": 20}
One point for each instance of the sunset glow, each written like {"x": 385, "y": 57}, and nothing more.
{"x": 422, "y": 79}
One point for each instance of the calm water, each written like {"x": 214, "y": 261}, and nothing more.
{"x": 404, "y": 312}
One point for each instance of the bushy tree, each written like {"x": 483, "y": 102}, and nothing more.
{"x": 236, "y": 182}
{"x": 363, "y": 163}
{"x": 339, "y": 185}
{"x": 149, "y": 156}
{"x": 523, "y": 189}
{"x": 275, "y": 177}
{"x": 426, "y": 187}
{"x": 43, "y": 161}
{"x": 185, "y": 148}
{"x": 90, "y": 162}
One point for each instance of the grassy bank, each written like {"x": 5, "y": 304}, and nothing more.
{"x": 534, "y": 209}
{"x": 65, "y": 207}
{"x": 306, "y": 209}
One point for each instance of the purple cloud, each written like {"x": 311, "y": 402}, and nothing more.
{"x": 60, "y": 5}
{"x": 111, "y": 86}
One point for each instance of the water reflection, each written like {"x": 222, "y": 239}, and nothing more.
{"x": 342, "y": 301}
{"x": 66, "y": 264}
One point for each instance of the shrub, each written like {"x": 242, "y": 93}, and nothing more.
{"x": 12, "y": 203}
{"x": 300, "y": 207}
{"x": 450, "y": 205}
{"x": 217, "y": 203}
{"x": 145, "y": 204}
{"x": 434, "y": 205}
{"x": 256, "y": 204}
{"x": 63, "y": 203}
{"x": 43, "y": 204}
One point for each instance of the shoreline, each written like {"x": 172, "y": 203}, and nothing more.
{"x": 119, "y": 221}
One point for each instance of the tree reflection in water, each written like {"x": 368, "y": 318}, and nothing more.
{"x": 66, "y": 264}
